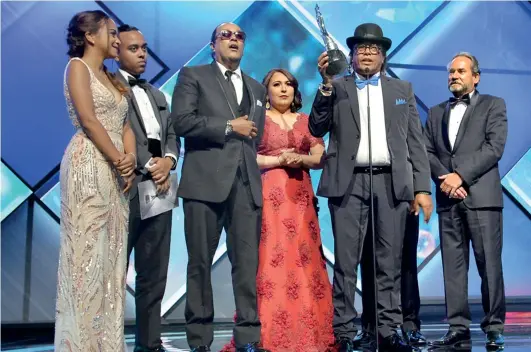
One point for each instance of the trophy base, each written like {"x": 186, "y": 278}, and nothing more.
{"x": 337, "y": 62}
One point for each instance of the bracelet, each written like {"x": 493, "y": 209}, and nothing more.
{"x": 134, "y": 156}
{"x": 423, "y": 192}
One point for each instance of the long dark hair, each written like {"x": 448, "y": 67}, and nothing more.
{"x": 88, "y": 22}
{"x": 296, "y": 105}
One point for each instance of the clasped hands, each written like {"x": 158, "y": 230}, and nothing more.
{"x": 289, "y": 158}
{"x": 159, "y": 168}
{"x": 452, "y": 186}
{"x": 125, "y": 165}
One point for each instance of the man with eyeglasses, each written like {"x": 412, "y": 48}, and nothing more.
{"x": 401, "y": 178}
{"x": 220, "y": 112}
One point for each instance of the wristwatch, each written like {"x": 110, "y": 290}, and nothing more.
{"x": 174, "y": 162}
{"x": 228, "y": 128}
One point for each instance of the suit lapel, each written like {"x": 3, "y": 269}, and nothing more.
{"x": 154, "y": 106}
{"x": 445, "y": 126}
{"x": 466, "y": 118}
{"x": 389, "y": 104}
{"x": 227, "y": 91}
{"x": 246, "y": 80}
{"x": 352, "y": 92}
{"x": 133, "y": 102}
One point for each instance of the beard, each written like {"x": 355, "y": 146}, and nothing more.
{"x": 457, "y": 88}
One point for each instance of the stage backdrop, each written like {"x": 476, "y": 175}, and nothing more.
{"x": 36, "y": 128}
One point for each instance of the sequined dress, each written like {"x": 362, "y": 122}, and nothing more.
{"x": 94, "y": 219}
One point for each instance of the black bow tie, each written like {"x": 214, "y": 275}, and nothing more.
{"x": 137, "y": 82}
{"x": 464, "y": 99}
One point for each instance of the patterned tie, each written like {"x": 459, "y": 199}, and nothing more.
{"x": 361, "y": 83}
{"x": 229, "y": 74}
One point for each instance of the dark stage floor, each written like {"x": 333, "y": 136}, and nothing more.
{"x": 517, "y": 336}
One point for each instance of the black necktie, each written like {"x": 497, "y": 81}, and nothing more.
{"x": 464, "y": 99}
{"x": 137, "y": 82}
{"x": 229, "y": 74}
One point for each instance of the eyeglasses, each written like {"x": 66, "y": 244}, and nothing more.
{"x": 226, "y": 34}
{"x": 372, "y": 48}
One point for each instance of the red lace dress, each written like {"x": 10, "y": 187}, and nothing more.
{"x": 294, "y": 291}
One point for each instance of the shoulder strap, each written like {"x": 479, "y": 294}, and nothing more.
{"x": 78, "y": 59}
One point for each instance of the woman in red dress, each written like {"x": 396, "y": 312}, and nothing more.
{"x": 294, "y": 291}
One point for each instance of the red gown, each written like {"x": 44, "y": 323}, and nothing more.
{"x": 294, "y": 291}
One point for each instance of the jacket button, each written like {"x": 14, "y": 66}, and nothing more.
{"x": 453, "y": 156}
{"x": 357, "y": 136}
{"x": 145, "y": 142}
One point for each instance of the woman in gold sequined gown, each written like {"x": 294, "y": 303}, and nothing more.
{"x": 96, "y": 173}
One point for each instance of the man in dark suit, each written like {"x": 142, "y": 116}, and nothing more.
{"x": 400, "y": 171}
{"x": 465, "y": 139}
{"x": 220, "y": 112}
{"x": 157, "y": 153}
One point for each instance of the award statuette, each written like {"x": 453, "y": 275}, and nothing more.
{"x": 337, "y": 61}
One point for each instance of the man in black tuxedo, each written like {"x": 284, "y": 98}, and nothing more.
{"x": 400, "y": 171}
{"x": 220, "y": 112}
{"x": 158, "y": 150}
{"x": 465, "y": 138}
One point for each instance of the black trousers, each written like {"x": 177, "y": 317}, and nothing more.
{"x": 410, "y": 296}
{"x": 483, "y": 227}
{"x": 409, "y": 288}
{"x": 203, "y": 224}
{"x": 351, "y": 227}
{"x": 150, "y": 238}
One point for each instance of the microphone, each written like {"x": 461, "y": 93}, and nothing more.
{"x": 371, "y": 209}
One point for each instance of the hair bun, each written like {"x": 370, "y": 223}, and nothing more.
{"x": 75, "y": 42}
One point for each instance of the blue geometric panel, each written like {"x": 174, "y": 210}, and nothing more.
{"x": 176, "y": 31}
{"x": 518, "y": 182}
{"x": 12, "y": 191}
{"x": 13, "y": 248}
{"x": 495, "y": 32}
{"x": 431, "y": 87}
{"x": 35, "y": 124}
{"x": 397, "y": 18}
{"x": 431, "y": 283}
{"x": 52, "y": 199}
{"x": 44, "y": 262}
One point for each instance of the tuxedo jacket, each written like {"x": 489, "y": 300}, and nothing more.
{"x": 338, "y": 114}
{"x": 169, "y": 142}
{"x": 202, "y": 103}
{"x": 477, "y": 149}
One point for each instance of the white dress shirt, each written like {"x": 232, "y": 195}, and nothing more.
{"x": 457, "y": 112}
{"x": 380, "y": 151}
{"x": 147, "y": 113}
{"x": 236, "y": 79}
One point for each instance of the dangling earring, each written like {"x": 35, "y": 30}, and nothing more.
{"x": 268, "y": 106}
